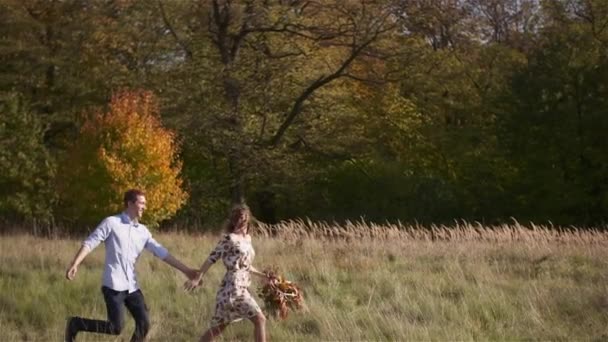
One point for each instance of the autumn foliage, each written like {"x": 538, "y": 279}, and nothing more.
{"x": 280, "y": 295}
{"x": 127, "y": 147}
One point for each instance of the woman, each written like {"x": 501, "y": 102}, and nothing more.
{"x": 233, "y": 301}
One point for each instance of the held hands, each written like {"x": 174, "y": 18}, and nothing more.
{"x": 192, "y": 274}
{"x": 192, "y": 284}
{"x": 194, "y": 279}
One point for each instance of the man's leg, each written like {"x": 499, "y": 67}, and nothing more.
{"x": 137, "y": 307}
{"x": 113, "y": 326}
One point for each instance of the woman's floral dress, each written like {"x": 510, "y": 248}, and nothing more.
{"x": 233, "y": 301}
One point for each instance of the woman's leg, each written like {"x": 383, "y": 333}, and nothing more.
{"x": 259, "y": 322}
{"x": 213, "y": 332}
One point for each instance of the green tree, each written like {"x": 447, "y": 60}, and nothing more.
{"x": 66, "y": 56}
{"x": 553, "y": 118}
{"x": 259, "y": 74}
{"x": 26, "y": 168}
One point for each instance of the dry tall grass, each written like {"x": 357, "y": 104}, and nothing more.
{"x": 362, "y": 282}
{"x": 459, "y": 232}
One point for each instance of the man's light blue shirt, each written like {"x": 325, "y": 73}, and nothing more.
{"x": 124, "y": 240}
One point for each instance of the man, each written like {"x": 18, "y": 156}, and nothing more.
{"x": 125, "y": 238}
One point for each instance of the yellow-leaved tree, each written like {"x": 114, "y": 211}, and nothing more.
{"x": 125, "y": 147}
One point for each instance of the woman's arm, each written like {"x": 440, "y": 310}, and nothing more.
{"x": 256, "y": 272}
{"x": 215, "y": 255}
{"x": 196, "y": 282}
{"x": 204, "y": 268}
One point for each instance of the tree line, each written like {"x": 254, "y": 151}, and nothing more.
{"x": 410, "y": 110}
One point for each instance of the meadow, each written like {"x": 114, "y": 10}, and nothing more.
{"x": 465, "y": 282}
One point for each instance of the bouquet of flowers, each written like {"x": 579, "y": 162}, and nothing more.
{"x": 280, "y": 295}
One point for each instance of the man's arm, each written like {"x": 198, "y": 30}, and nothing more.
{"x": 162, "y": 253}
{"x": 190, "y": 273}
{"x": 70, "y": 274}
{"x": 99, "y": 234}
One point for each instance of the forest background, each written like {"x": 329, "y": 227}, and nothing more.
{"x": 396, "y": 110}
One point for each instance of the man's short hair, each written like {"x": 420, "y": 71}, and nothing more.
{"x": 131, "y": 196}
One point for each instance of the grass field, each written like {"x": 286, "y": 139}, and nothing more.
{"x": 361, "y": 282}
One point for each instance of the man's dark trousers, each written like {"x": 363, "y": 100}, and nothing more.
{"x": 114, "y": 304}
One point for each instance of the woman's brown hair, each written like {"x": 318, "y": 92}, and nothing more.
{"x": 235, "y": 215}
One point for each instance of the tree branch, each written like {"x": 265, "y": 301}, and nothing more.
{"x": 172, "y": 31}
{"x": 297, "y": 107}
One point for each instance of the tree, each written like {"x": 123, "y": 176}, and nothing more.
{"x": 265, "y": 65}
{"x": 26, "y": 168}
{"x": 127, "y": 147}
{"x": 66, "y": 56}
{"x": 505, "y": 21}
{"x": 552, "y": 119}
